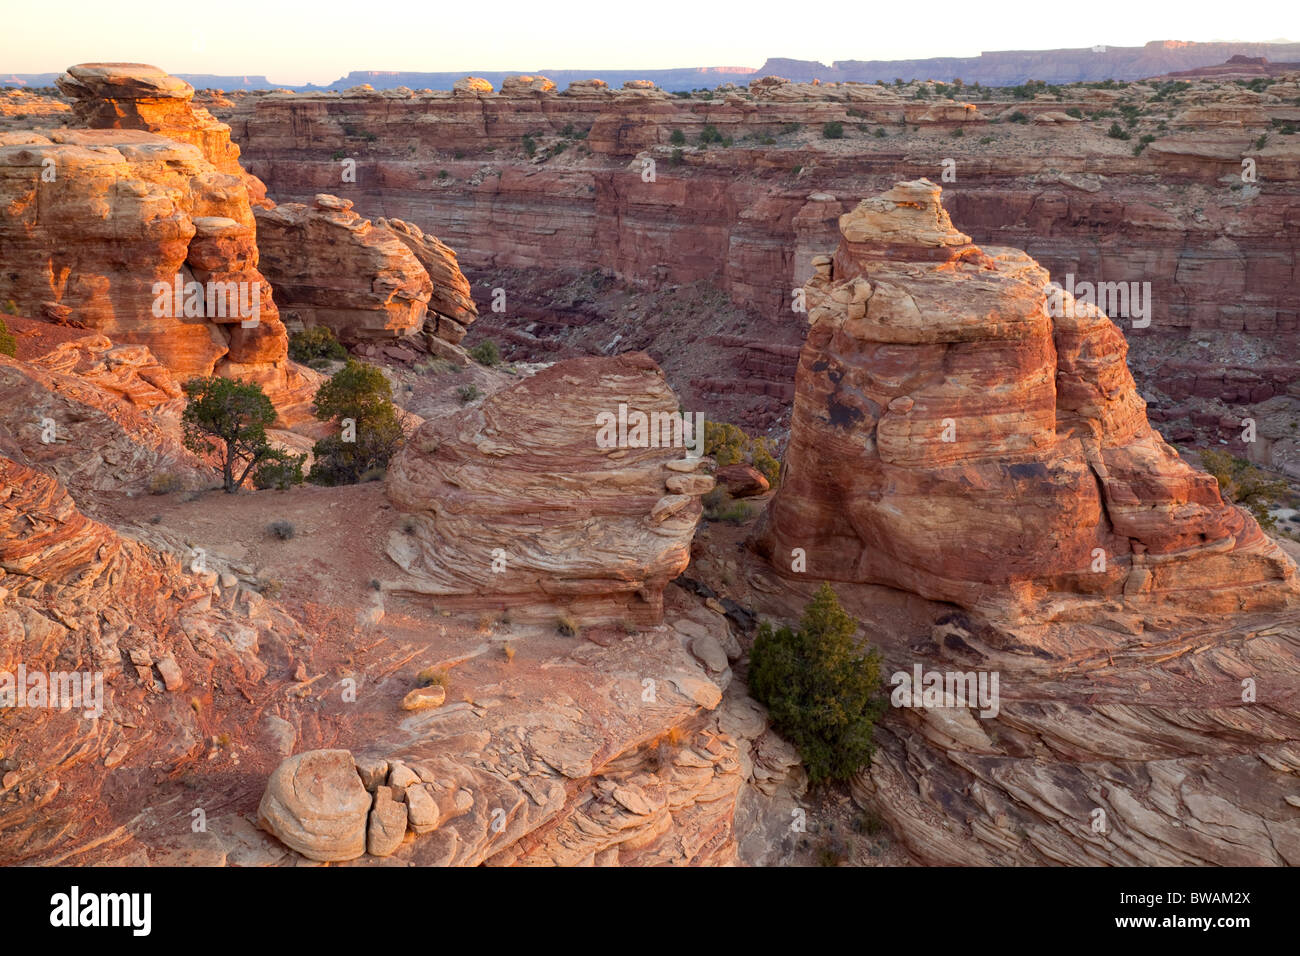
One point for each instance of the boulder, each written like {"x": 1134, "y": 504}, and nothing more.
{"x": 316, "y": 804}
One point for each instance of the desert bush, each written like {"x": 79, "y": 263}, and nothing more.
{"x": 284, "y": 530}
{"x": 164, "y": 483}
{"x": 678, "y": 138}
{"x": 833, "y": 130}
{"x": 486, "y": 352}
{"x": 824, "y": 696}
{"x": 567, "y": 625}
{"x": 1117, "y": 132}
{"x": 359, "y": 392}
{"x": 1241, "y": 483}
{"x": 710, "y": 134}
{"x": 468, "y": 393}
{"x": 728, "y": 444}
{"x": 1018, "y": 117}
{"x": 279, "y": 471}
{"x": 229, "y": 419}
{"x": 316, "y": 346}
{"x": 8, "y": 344}
{"x": 433, "y": 677}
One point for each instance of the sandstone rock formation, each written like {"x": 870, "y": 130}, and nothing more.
{"x": 143, "y": 97}
{"x": 326, "y": 263}
{"x": 513, "y": 501}
{"x": 315, "y": 803}
{"x": 451, "y": 306}
{"x": 951, "y": 438}
{"x": 162, "y": 211}
{"x": 332, "y": 267}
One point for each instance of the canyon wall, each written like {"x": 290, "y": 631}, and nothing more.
{"x": 747, "y": 209}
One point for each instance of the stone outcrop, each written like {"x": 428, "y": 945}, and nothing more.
{"x": 143, "y": 97}
{"x": 514, "y": 502}
{"x": 451, "y": 307}
{"x": 327, "y": 264}
{"x": 334, "y": 268}
{"x": 952, "y": 438}
{"x": 315, "y": 803}
{"x": 161, "y": 210}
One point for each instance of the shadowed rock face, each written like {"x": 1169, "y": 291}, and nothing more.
{"x": 520, "y": 482}
{"x": 951, "y": 438}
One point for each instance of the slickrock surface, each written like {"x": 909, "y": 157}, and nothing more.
{"x": 952, "y": 439}
{"x": 519, "y": 482}
{"x": 98, "y": 416}
{"x": 75, "y": 596}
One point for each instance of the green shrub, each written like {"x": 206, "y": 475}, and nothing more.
{"x": 229, "y": 419}
{"x": 315, "y": 346}
{"x": 710, "y": 134}
{"x": 359, "y": 392}
{"x": 1243, "y": 484}
{"x": 1018, "y": 117}
{"x": 486, "y": 353}
{"x": 279, "y": 471}
{"x": 1075, "y": 112}
{"x": 728, "y": 444}
{"x": 529, "y": 144}
{"x": 1117, "y": 132}
{"x": 8, "y": 344}
{"x": 468, "y": 393}
{"x": 678, "y": 138}
{"x": 823, "y": 695}
{"x": 833, "y": 130}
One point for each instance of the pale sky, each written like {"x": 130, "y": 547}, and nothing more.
{"x": 321, "y": 41}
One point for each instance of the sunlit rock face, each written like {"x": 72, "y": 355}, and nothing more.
{"x": 142, "y": 239}
{"x": 515, "y": 502}
{"x": 959, "y": 434}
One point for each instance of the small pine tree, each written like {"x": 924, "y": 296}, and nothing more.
{"x": 359, "y": 392}
{"x": 229, "y": 419}
{"x": 824, "y": 696}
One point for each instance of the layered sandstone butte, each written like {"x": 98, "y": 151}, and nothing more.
{"x": 327, "y": 264}
{"x": 332, "y": 267}
{"x": 142, "y": 97}
{"x": 951, "y": 438}
{"x": 514, "y": 503}
{"x": 158, "y": 210}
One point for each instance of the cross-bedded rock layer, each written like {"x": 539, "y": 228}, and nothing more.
{"x": 515, "y": 504}
{"x": 952, "y": 438}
